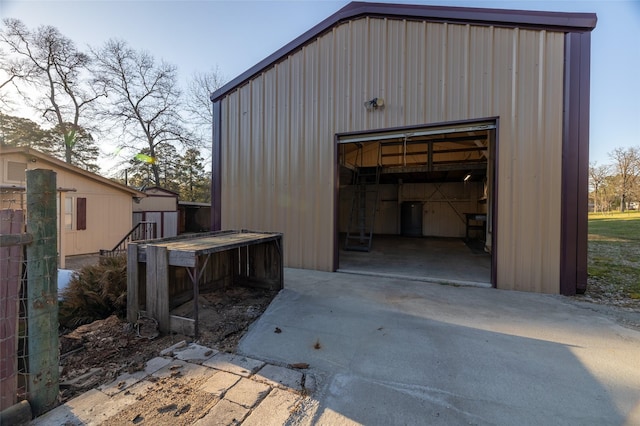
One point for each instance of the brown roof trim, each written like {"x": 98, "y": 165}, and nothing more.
{"x": 557, "y": 21}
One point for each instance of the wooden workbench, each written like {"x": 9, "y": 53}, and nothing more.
{"x": 211, "y": 260}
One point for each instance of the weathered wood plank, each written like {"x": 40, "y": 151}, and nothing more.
{"x": 158, "y": 278}
{"x": 10, "y": 240}
{"x": 133, "y": 296}
{"x": 265, "y": 266}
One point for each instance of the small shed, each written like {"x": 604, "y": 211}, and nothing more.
{"x": 421, "y": 126}
{"x": 95, "y": 212}
{"x": 160, "y": 206}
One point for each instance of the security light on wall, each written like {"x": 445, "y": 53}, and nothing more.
{"x": 467, "y": 177}
{"x": 374, "y": 103}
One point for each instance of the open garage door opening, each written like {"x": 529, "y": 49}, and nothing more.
{"x": 418, "y": 203}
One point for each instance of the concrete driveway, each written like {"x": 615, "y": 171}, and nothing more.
{"x": 390, "y": 352}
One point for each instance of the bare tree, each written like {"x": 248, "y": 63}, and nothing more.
{"x": 198, "y": 105}
{"x": 201, "y": 86}
{"x": 51, "y": 63}
{"x": 144, "y": 100}
{"x": 597, "y": 178}
{"x": 627, "y": 168}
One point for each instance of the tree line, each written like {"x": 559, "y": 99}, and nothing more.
{"x": 110, "y": 92}
{"x": 616, "y": 186}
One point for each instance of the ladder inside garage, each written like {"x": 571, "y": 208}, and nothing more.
{"x": 363, "y": 209}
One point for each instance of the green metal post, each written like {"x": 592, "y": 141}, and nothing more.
{"x": 42, "y": 291}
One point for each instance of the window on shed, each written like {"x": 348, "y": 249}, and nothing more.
{"x": 16, "y": 172}
{"x": 81, "y": 213}
{"x": 68, "y": 213}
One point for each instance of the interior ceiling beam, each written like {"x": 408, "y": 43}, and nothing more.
{"x": 469, "y": 149}
{"x": 444, "y": 166}
{"x": 411, "y": 133}
{"x": 400, "y": 141}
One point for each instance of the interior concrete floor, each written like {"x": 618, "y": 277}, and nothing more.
{"x": 447, "y": 260}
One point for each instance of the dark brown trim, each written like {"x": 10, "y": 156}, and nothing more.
{"x": 575, "y": 164}
{"x": 556, "y": 21}
{"x": 216, "y": 170}
{"x": 336, "y": 204}
{"x": 495, "y": 157}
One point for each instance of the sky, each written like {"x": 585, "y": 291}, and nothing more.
{"x": 232, "y": 36}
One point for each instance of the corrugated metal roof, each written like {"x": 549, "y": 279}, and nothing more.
{"x": 556, "y": 21}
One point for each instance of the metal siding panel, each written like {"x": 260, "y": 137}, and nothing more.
{"x": 393, "y": 59}
{"x": 270, "y": 151}
{"x": 254, "y": 168}
{"x": 415, "y": 73}
{"x": 456, "y": 87}
{"x": 358, "y": 73}
{"x": 480, "y": 100}
{"x": 282, "y": 194}
{"x": 310, "y": 150}
{"x": 436, "y": 64}
{"x": 529, "y": 169}
{"x": 296, "y": 176}
{"x": 342, "y": 73}
{"x": 245, "y": 207}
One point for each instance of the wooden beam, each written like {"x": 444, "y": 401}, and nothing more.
{"x": 9, "y": 240}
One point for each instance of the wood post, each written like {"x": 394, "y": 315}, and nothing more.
{"x": 158, "y": 297}
{"x": 133, "y": 296}
{"x": 42, "y": 291}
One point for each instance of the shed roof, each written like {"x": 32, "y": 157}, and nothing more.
{"x": 556, "y": 21}
{"x": 32, "y": 153}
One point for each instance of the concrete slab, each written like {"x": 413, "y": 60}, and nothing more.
{"x": 281, "y": 377}
{"x": 219, "y": 383}
{"x": 274, "y": 410}
{"x": 78, "y": 411}
{"x": 126, "y": 380}
{"x": 448, "y": 355}
{"x": 194, "y": 353}
{"x": 178, "y": 368}
{"x": 224, "y": 413}
{"x": 247, "y": 393}
{"x": 232, "y": 363}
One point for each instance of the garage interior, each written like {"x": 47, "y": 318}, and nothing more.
{"x": 416, "y": 203}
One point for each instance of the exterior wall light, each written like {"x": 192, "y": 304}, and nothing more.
{"x": 467, "y": 177}
{"x": 374, "y": 103}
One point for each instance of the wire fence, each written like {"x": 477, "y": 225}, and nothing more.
{"x": 12, "y": 311}
{"x": 29, "y": 356}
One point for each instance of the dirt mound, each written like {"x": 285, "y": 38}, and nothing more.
{"x": 97, "y": 353}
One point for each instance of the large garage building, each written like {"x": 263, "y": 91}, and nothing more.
{"x": 438, "y": 143}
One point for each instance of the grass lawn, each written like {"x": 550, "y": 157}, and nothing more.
{"x": 614, "y": 253}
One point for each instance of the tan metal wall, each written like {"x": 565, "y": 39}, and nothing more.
{"x": 278, "y": 130}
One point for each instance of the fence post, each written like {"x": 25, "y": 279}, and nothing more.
{"x": 42, "y": 291}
